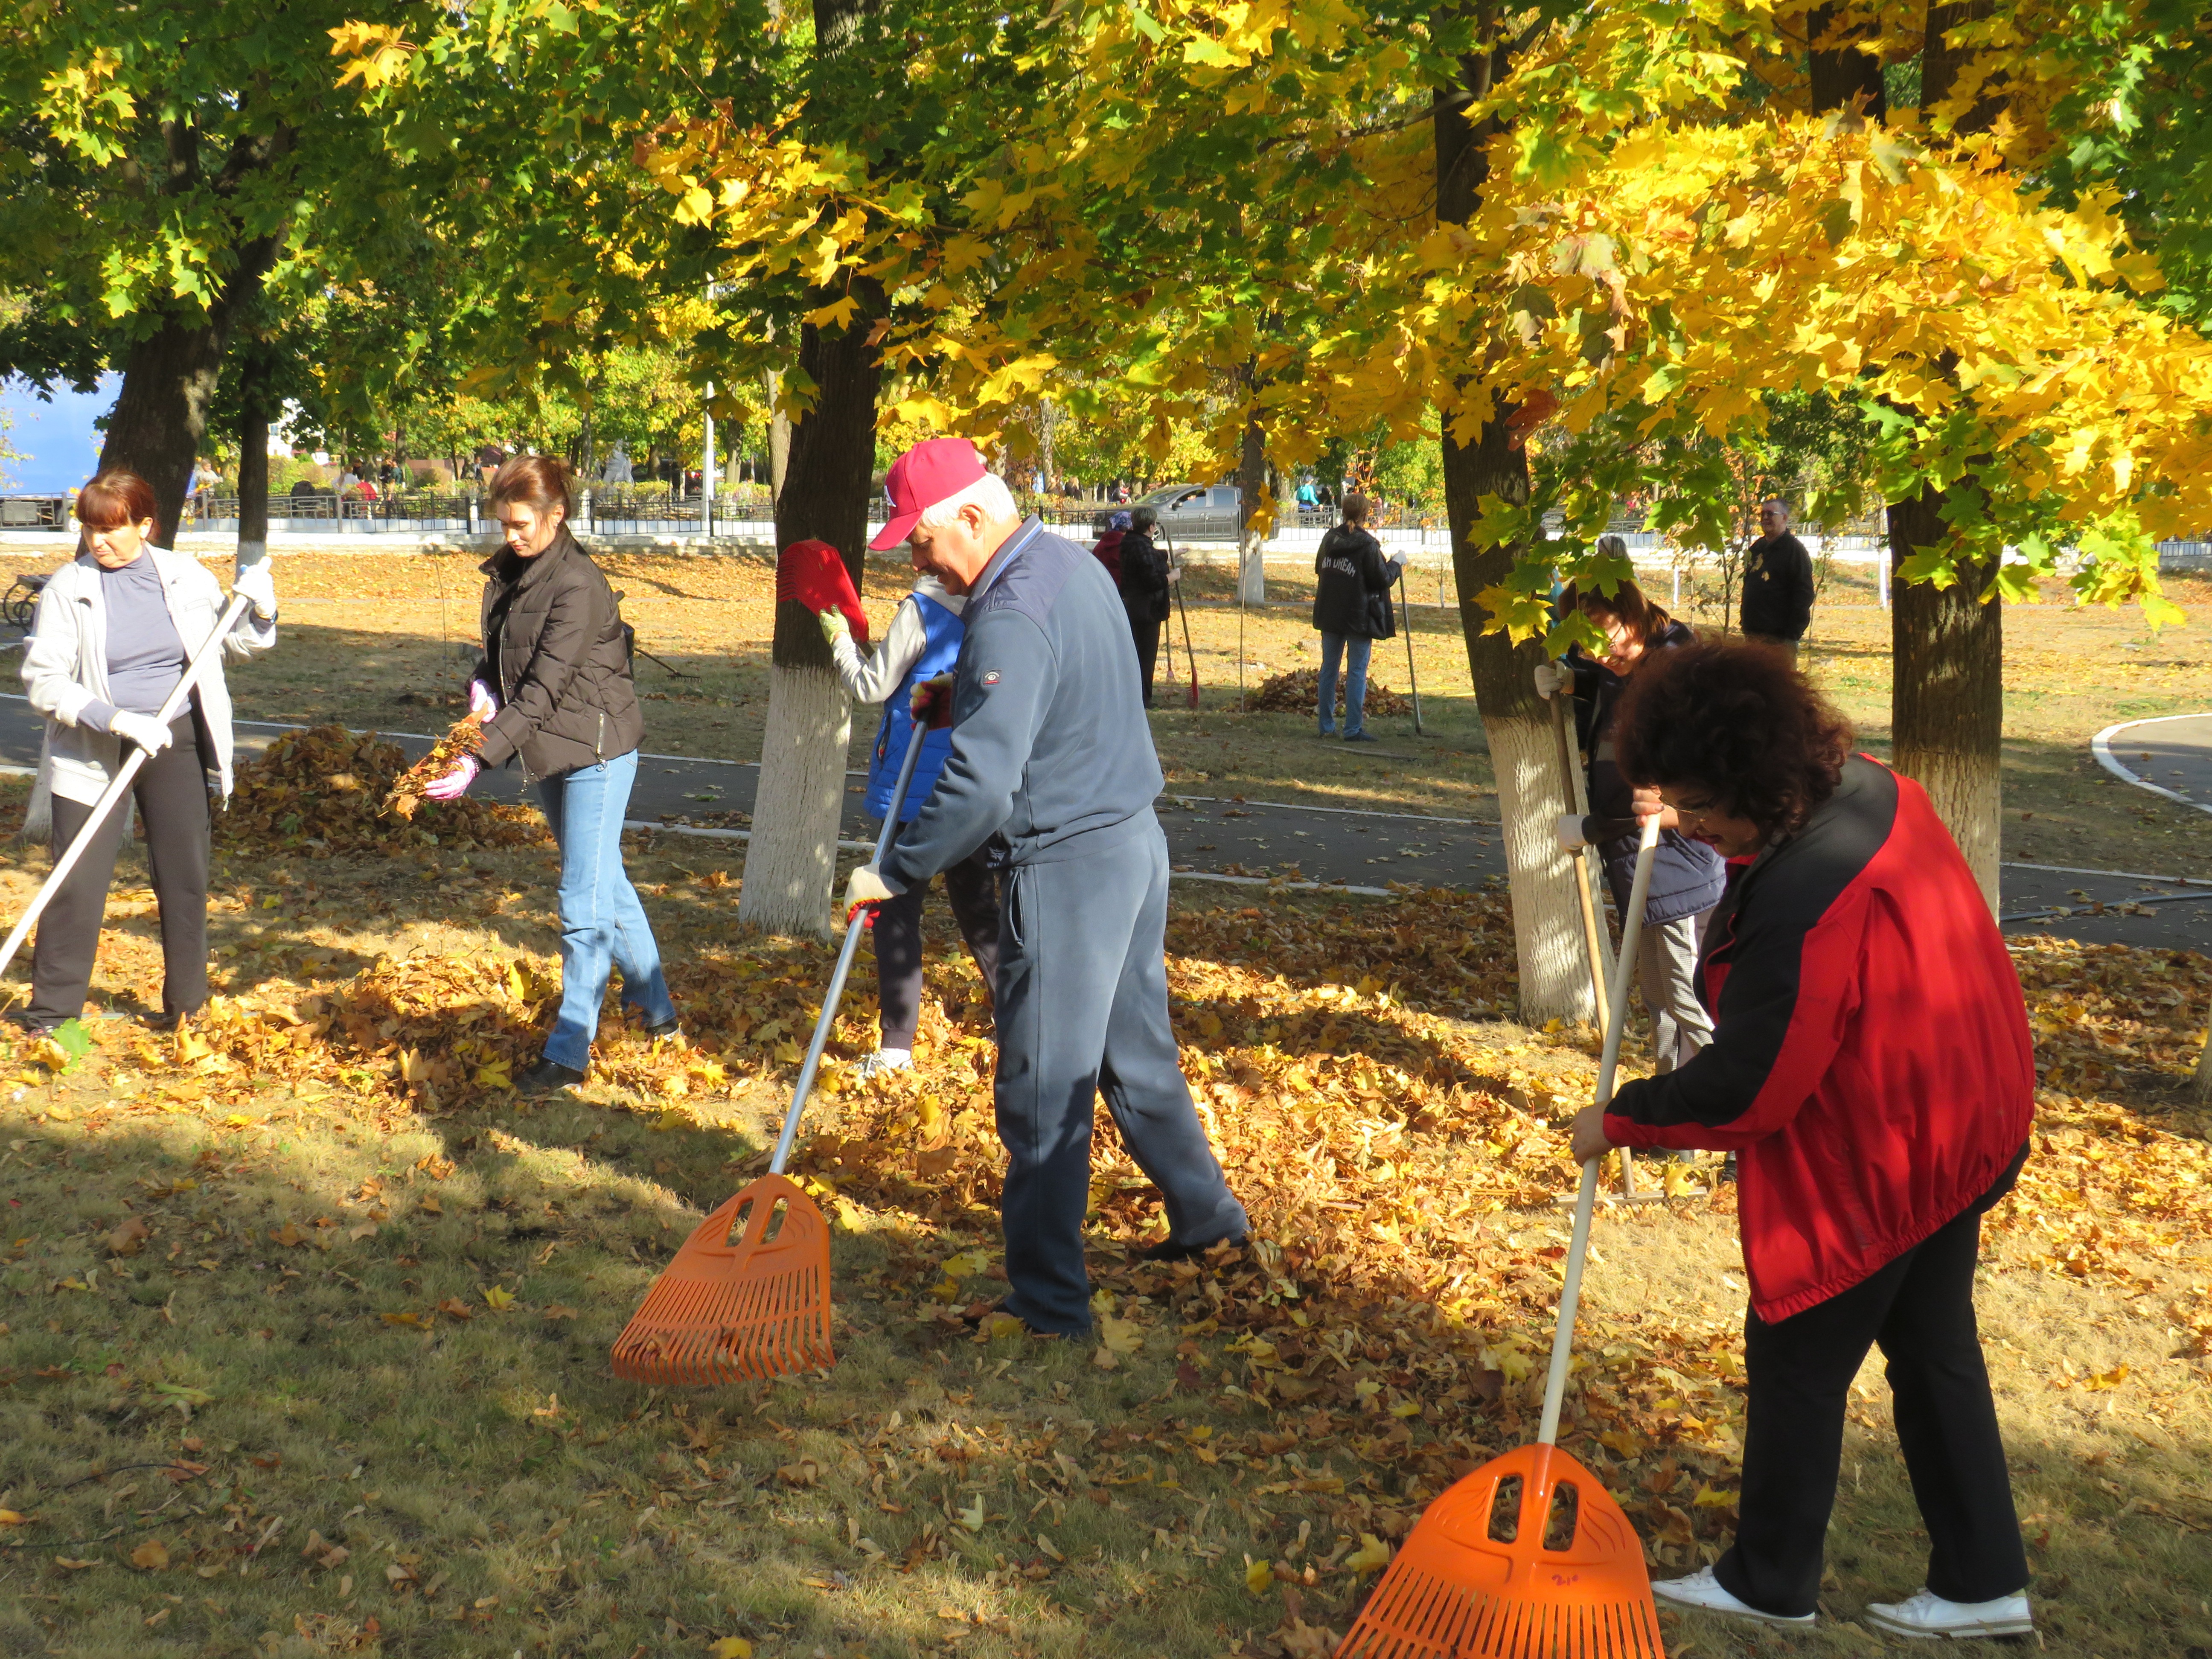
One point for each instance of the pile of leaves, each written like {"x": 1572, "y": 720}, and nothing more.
{"x": 461, "y": 740}
{"x": 1298, "y": 691}
{"x": 1401, "y": 1155}
{"x": 321, "y": 791}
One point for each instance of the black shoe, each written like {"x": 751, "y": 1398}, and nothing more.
{"x": 35, "y": 1024}
{"x": 169, "y": 1019}
{"x": 1168, "y": 1250}
{"x": 1361, "y": 737}
{"x": 548, "y": 1077}
{"x": 667, "y": 1028}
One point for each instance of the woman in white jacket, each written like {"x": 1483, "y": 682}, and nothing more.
{"x": 115, "y": 627}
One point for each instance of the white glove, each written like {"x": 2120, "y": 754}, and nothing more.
{"x": 1570, "y": 833}
{"x": 149, "y": 734}
{"x": 834, "y": 626}
{"x": 258, "y": 583}
{"x": 482, "y": 704}
{"x": 1551, "y": 679}
{"x": 866, "y": 887}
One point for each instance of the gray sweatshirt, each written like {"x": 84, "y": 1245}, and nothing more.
{"x": 145, "y": 657}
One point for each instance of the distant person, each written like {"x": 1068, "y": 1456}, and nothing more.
{"x": 1688, "y": 876}
{"x": 205, "y": 481}
{"x": 1351, "y": 609}
{"x": 1107, "y": 550}
{"x": 1871, "y": 1065}
{"x": 1777, "y": 583}
{"x": 553, "y": 686}
{"x": 922, "y": 642}
{"x": 114, "y": 631}
{"x": 1147, "y": 583}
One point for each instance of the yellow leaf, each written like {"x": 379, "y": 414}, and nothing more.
{"x": 152, "y": 1556}
{"x": 1121, "y": 1336}
{"x": 731, "y": 1647}
{"x": 500, "y": 1298}
{"x": 966, "y": 1265}
{"x": 838, "y": 314}
{"x": 1710, "y": 1498}
{"x": 9, "y": 1518}
{"x": 1258, "y": 1575}
{"x": 1003, "y": 1324}
{"x": 2110, "y": 1379}
{"x": 1373, "y": 1555}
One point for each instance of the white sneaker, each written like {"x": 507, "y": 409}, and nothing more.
{"x": 1928, "y": 1614}
{"x": 882, "y": 1060}
{"x": 1706, "y": 1593}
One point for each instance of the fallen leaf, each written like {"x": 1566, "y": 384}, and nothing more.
{"x": 1121, "y": 1336}
{"x": 9, "y": 1518}
{"x": 1373, "y": 1555}
{"x": 500, "y": 1299}
{"x": 804, "y": 1472}
{"x": 731, "y": 1647}
{"x": 152, "y": 1556}
{"x": 70, "y": 1564}
{"x": 555, "y": 1311}
{"x": 457, "y": 1309}
{"x": 1258, "y": 1575}
{"x": 289, "y": 1236}
{"x": 128, "y": 1238}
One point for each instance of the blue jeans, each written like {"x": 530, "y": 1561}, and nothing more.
{"x": 1354, "y": 652}
{"x": 602, "y": 923}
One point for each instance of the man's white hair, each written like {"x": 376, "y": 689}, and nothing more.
{"x": 1776, "y": 503}
{"x": 989, "y": 492}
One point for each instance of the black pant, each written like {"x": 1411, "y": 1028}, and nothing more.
{"x": 973, "y": 888}
{"x": 171, "y": 790}
{"x": 1147, "y": 633}
{"x": 1920, "y": 1308}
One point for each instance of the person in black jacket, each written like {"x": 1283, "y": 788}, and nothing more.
{"x": 1351, "y": 609}
{"x": 553, "y": 691}
{"x": 1687, "y": 877}
{"x": 1777, "y": 583}
{"x": 1147, "y": 580}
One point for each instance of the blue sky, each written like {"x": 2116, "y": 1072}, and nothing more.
{"x": 57, "y": 444}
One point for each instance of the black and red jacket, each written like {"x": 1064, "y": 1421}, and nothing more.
{"x": 1870, "y": 1063}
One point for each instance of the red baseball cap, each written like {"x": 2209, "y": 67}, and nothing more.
{"x": 932, "y": 470}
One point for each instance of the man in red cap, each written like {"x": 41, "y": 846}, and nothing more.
{"x": 1052, "y": 769}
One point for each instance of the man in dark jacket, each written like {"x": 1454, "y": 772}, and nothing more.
{"x": 1052, "y": 766}
{"x": 1777, "y": 583}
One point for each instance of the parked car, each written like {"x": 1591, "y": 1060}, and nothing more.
{"x": 1186, "y": 510}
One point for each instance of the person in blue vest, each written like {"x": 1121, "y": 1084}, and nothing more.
{"x": 922, "y": 641}
{"x": 1052, "y": 769}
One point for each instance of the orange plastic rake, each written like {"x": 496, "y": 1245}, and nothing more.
{"x": 747, "y": 1294}
{"x": 1530, "y": 1556}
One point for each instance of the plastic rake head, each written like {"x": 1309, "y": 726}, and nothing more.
{"x": 1527, "y": 1557}
{"x": 725, "y": 1311}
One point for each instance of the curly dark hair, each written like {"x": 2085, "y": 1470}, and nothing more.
{"x": 1738, "y": 720}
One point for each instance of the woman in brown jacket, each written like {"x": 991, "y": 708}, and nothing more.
{"x": 555, "y": 688}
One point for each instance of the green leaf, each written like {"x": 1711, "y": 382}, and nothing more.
{"x": 71, "y": 1037}
{"x": 1146, "y": 25}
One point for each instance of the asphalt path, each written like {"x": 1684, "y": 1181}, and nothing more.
{"x": 1235, "y": 841}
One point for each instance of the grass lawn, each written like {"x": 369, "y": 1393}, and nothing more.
{"x": 306, "y": 1322}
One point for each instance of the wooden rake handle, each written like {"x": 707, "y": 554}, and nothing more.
{"x": 1563, "y": 1340}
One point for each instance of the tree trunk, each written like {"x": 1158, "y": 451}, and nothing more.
{"x": 1554, "y": 971}
{"x": 791, "y": 861}
{"x": 160, "y": 413}
{"x": 1251, "y": 477}
{"x": 1845, "y": 74}
{"x": 1947, "y": 698}
{"x": 254, "y": 396}
{"x": 1947, "y": 646}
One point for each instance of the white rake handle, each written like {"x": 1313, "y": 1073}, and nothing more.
{"x": 851, "y": 948}
{"x": 1563, "y": 1340}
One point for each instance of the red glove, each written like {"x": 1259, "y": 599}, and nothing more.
{"x": 931, "y": 704}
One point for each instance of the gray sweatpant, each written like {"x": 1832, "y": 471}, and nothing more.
{"x": 1666, "y": 965}
{"x": 1083, "y": 1009}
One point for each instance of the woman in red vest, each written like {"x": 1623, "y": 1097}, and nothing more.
{"x": 1870, "y": 1067}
